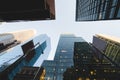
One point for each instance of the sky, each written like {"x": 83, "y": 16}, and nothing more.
{"x": 64, "y": 24}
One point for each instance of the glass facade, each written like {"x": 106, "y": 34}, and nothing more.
{"x": 63, "y": 58}
{"x": 30, "y": 51}
{"x": 30, "y": 73}
{"x": 111, "y": 49}
{"x": 75, "y": 59}
{"x": 88, "y": 66}
{"x": 92, "y": 10}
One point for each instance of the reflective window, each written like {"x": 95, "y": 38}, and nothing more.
{"x": 118, "y": 15}
{"x": 114, "y": 2}
{"x": 112, "y": 12}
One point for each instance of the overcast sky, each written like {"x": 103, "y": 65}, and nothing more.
{"x": 65, "y": 23}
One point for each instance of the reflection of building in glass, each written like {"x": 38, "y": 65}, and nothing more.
{"x": 27, "y": 10}
{"x": 92, "y": 10}
{"x": 24, "y": 54}
{"x": 31, "y": 73}
{"x": 63, "y": 58}
{"x": 92, "y": 63}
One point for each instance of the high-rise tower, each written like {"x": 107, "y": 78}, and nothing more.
{"x": 109, "y": 46}
{"x": 27, "y": 53}
{"x": 63, "y": 57}
{"x": 96, "y": 61}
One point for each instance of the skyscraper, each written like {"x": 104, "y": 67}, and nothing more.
{"x": 93, "y": 10}
{"x": 109, "y": 46}
{"x": 63, "y": 58}
{"x": 27, "y": 10}
{"x": 91, "y": 62}
{"x": 24, "y": 54}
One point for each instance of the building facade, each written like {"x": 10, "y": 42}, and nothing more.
{"x": 76, "y": 59}
{"x": 109, "y": 46}
{"x": 91, "y": 63}
{"x": 93, "y": 10}
{"x": 63, "y": 58}
{"x": 25, "y": 54}
{"x": 30, "y": 73}
{"x": 24, "y": 10}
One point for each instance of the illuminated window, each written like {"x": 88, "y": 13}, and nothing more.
{"x": 113, "y": 71}
{"x": 105, "y": 70}
{"x": 87, "y": 78}
{"x": 91, "y": 72}
{"x": 97, "y": 60}
{"x": 76, "y": 70}
{"x": 80, "y": 79}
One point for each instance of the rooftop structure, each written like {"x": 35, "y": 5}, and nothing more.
{"x": 11, "y": 39}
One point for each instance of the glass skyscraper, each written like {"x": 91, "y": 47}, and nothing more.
{"x": 76, "y": 59}
{"x": 96, "y": 61}
{"x": 109, "y": 46}
{"x": 63, "y": 58}
{"x": 92, "y": 10}
{"x": 27, "y": 53}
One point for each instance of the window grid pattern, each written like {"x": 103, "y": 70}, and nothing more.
{"x": 97, "y": 10}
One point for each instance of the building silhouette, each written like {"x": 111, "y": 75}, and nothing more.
{"x": 25, "y": 54}
{"x": 93, "y": 10}
{"x": 26, "y": 10}
{"x": 63, "y": 57}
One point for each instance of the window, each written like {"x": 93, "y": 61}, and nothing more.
{"x": 112, "y": 13}
{"x": 118, "y": 15}
{"x": 114, "y": 2}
